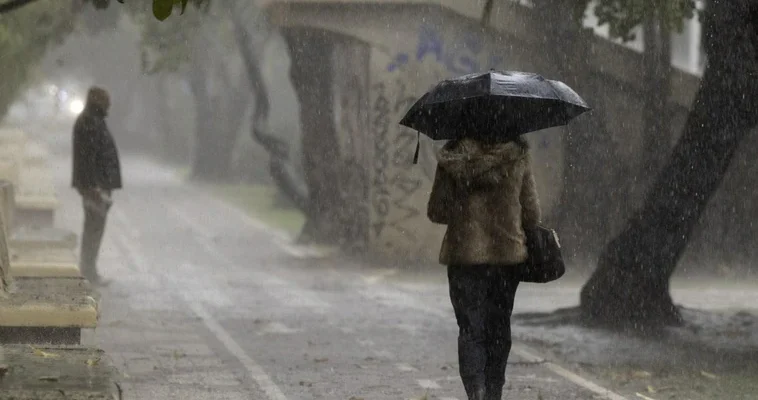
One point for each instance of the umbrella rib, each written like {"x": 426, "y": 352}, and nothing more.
{"x": 490, "y": 96}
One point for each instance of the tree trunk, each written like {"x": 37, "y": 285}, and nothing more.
{"x": 208, "y": 163}
{"x": 280, "y": 166}
{"x": 164, "y": 124}
{"x": 218, "y": 118}
{"x": 311, "y": 74}
{"x": 656, "y": 134}
{"x": 630, "y": 287}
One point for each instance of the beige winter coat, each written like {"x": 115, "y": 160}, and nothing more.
{"x": 486, "y": 195}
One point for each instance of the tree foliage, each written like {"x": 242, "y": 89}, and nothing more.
{"x": 167, "y": 45}
{"x": 161, "y": 9}
{"x": 28, "y": 28}
{"x": 25, "y": 36}
{"x": 623, "y": 16}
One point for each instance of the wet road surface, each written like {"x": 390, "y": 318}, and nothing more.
{"x": 206, "y": 303}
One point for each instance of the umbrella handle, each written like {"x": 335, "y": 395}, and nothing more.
{"x": 418, "y": 147}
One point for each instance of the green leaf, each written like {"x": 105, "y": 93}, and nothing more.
{"x": 184, "y": 6}
{"x": 162, "y": 9}
{"x": 623, "y": 16}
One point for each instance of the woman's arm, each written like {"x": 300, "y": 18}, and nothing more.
{"x": 530, "y": 204}
{"x": 438, "y": 208}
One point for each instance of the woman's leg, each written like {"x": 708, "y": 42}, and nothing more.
{"x": 468, "y": 286}
{"x": 503, "y": 285}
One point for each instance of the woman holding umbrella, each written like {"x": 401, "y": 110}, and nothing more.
{"x": 485, "y": 193}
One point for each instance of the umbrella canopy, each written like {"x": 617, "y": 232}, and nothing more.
{"x": 493, "y": 105}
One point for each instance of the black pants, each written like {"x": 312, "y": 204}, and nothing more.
{"x": 94, "y": 227}
{"x": 482, "y": 297}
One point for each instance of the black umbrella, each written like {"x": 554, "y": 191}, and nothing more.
{"x": 493, "y": 105}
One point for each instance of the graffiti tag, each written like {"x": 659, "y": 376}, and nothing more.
{"x": 459, "y": 57}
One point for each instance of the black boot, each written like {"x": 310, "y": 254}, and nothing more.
{"x": 475, "y": 389}
{"x": 478, "y": 393}
{"x": 494, "y": 393}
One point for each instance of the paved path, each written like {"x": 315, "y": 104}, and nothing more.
{"x": 208, "y": 304}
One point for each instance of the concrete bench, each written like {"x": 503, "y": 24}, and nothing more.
{"x": 41, "y": 252}
{"x": 12, "y": 150}
{"x": 13, "y": 142}
{"x": 32, "y": 238}
{"x": 47, "y": 310}
{"x": 44, "y": 262}
{"x": 10, "y": 169}
{"x": 36, "y": 201}
{"x": 37, "y": 312}
{"x": 24, "y": 163}
{"x": 37, "y": 309}
{"x": 34, "y": 373}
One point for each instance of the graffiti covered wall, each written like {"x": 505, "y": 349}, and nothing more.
{"x": 398, "y": 189}
{"x": 379, "y": 71}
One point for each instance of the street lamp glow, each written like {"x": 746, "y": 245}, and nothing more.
{"x": 76, "y": 106}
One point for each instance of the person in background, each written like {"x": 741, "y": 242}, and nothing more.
{"x": 485, "y": 193}
{"x": 96, "y": 174}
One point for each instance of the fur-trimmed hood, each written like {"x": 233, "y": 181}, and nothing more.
{"x": 470, "y": 161}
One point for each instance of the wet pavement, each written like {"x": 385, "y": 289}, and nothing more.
{"x": 206, "y": 303}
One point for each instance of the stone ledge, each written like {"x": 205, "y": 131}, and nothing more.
{"x": 43, "y": 252}
{"x": 26, "y": 238}
{"x": 75, "y": 373}
{"x": 49, "y": 303}
{"x": 36, "y": 202}
{"x": 35, "y": 218}
{"x": 42, "y": 255}
{"x": 44, "y": 269}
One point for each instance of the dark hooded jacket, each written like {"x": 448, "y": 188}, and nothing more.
{"x": 486, "y": 195}
{"x": 96, "y": 160}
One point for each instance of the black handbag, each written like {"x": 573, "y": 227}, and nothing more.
{"x": 545, "y": 261}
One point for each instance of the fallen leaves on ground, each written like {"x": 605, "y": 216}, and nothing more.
{"x": 93, "y": 361}
{"x": 708, "y": 375}
{"x": 630, "y": 375}
{"x": 641, "y": 374}
{"x": 43, "y": 354}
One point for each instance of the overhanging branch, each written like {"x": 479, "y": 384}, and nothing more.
{"x": 13, "y": 4}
